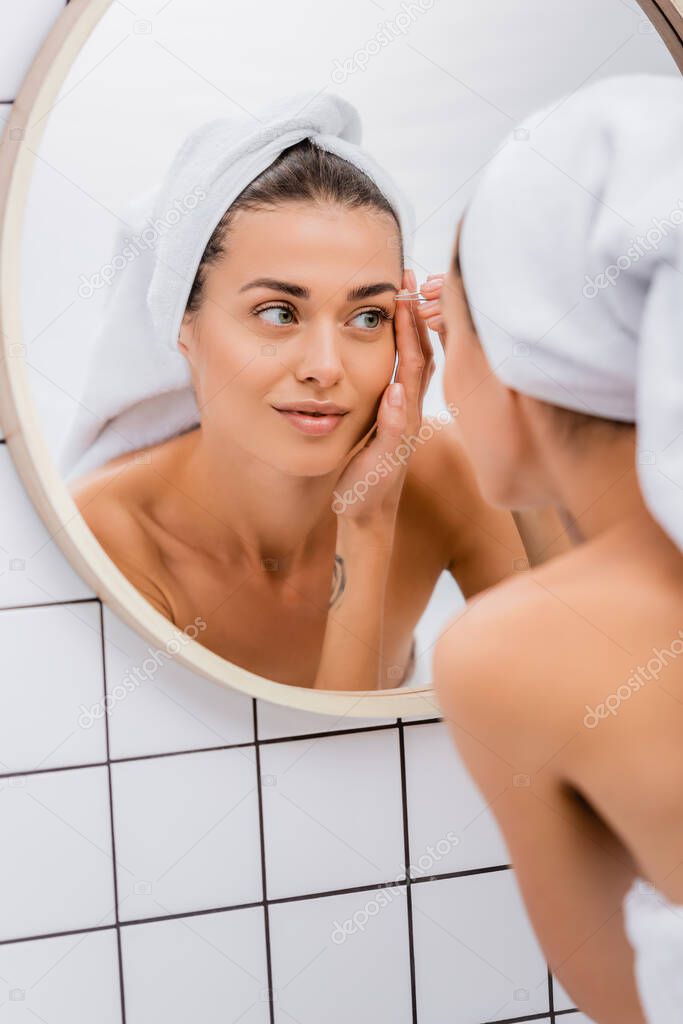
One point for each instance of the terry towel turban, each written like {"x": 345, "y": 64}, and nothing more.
{"x": 572, "y": 260}
{"x": 138, "y": 389}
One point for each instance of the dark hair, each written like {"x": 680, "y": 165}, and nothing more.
{"x": 575, "y": 426}
{"x": 570, "y": 424}
{"x": 302, "y": 173}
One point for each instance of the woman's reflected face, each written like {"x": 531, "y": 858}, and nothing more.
{"x": 299, "y": 308}
{"x": 488, "y": 418}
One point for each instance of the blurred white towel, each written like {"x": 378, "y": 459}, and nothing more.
{"x": 654, "y": 927}
{"x": 572, "y": 260}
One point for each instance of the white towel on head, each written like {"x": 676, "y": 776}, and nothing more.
{"x": 654, "y": 928}
{"x": 138, "y": 389}
{"x": 572, "y": 259}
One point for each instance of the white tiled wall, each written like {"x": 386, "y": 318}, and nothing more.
{"x": 191, "y": 856}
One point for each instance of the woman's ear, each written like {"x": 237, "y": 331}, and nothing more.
{"x": 186, "y": 336}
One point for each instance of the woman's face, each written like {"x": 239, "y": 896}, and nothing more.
{"x": 299, "y": 308}
{"x": 491, "y": 426}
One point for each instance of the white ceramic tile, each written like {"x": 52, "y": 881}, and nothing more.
{"x": 576, "y": 1018}
{"x": 209, "y": 968}
{"x": 342, "y": 958}
{"x": 475, "y": 952}
{"x": 32, "y": 568}
{"x": 561, "y": 998}
{"x": 23, "y": 27}
{"x": 332, "y": 812}
{"x": 67, "y": 978}
{"x": 51, "y": 662}
{"x": 187, "y": 832}
{"x": 274, "y": 721}
{"x": 449, "y": 826}
{"x": 157, "y": 706}
{"x": 55, "y": 855}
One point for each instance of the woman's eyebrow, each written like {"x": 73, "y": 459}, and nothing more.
{"x": 278, "y": 286}
{"x": 366, "y": 291}
{"x": 363, "y": 291}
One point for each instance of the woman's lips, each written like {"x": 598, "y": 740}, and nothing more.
{"x": 307, "y": 423}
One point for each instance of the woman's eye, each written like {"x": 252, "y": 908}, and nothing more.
{"x": 371, "y": 318}
{"x": 281, "y": 316}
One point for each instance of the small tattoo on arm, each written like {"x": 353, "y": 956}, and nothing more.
{"x": 338, "y": 580}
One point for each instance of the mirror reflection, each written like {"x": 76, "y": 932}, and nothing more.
{"x": 236, "y": 322}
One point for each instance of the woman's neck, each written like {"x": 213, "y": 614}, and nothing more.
{"x": 247, "y": 510}
{"x": 595, "y": 483}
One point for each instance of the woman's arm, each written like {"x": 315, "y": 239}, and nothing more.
{"x": 352, "y": 648}
{"x": 515, "y": 710}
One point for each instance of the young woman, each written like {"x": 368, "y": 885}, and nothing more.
{"x": 563, "y": 314}
{"x": 286, "y": 519}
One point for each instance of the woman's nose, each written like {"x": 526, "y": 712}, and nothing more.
{"x": 318, "y": 357}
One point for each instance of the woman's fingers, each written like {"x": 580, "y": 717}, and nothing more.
{"x": 425, "y": 343}
{"x": 428, "y": 367}
{"x": 411, "y": 358}
{"x": 392, "y": 415}
{"x": 425, "y": 346}
{"x": 432, "y": 285}
{"x": 433, "y": 318}
{"x": 415, "y": 352}
{"x": 430, "y": 312}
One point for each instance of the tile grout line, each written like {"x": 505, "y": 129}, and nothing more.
{"x": 551, "y": 997}
{"x": 540, "y": 1017}
{"x": 299, "y": 898}
{"x": 406, "y": 851}
{"x": 57, "y": 935}
{"x": 48, "y": 604}
{"x": 262, "y": 841}
{"x": 111, "y": 823}
{"x": 300, "y": 738}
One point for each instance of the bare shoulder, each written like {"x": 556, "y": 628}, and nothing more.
{"x": 111, "y": 501}
{"x": 569, "y": 627}
{"x": 437, "y": 456}
{"x": 575, "y": 671}
{"x": 491, "y": 648}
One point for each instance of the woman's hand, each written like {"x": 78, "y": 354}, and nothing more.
{"x": 370, "y": 485}
{"x": 431, "y": 312}
{"x": 366, "y": 502}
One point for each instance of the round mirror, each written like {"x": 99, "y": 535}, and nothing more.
{"x": 216, "y": 226}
